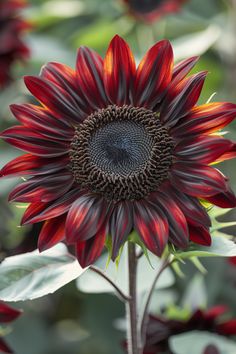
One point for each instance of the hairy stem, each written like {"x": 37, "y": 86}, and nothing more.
{"x": 131, "y": 307}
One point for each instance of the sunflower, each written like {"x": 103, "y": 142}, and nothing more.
{"x": 160, "y": 329}
{"x": 115, "y": 149}
{"x": 12, "y": 27}
{"x": 151, "y": 10}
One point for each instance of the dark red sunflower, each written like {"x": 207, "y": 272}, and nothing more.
{"x": 160, "y": 329}
{"x": 12, "y": 47}
{"x": 114, "y": 149}
{"x": 7, "y": 314}
{"x": 151, "y": 10}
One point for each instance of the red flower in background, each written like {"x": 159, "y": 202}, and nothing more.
{"x": 12, "y": 27}
{"x": 211, "y": 349}
{"x": 151, "y": 10}
{"x": 114, "y": 148}
{"x": 160, "y": 329}
{"x": 7, "y": 314}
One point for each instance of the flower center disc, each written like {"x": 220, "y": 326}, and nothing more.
{"x": 121, "y": 153}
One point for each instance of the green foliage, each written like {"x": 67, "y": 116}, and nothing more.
{"x": 33, "y": 275}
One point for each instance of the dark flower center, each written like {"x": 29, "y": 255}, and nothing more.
{"x": 145, "y": 5}
{"x": 121, "y": 153}
{"x": 121, "y": 147}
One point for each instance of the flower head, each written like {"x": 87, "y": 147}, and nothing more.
{"x": 12, "y": 47}
{"x": 151, "y": 10}
{"x": 7, "y": 314}
{"x": 114, "y": 149}
{"x": 160, "y": 328}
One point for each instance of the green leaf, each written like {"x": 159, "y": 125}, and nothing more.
{"x": 221, "y": 246}
{"x": 33, "y": 275}
{"x": 90, "y": 282}
{"x": 195, "y": 342}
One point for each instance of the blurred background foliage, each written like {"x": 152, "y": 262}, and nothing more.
{"x": 80, "y": 323}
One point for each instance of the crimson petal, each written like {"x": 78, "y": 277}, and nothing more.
{"x": 52, "y": 232}
{"x": 85, "y": 218}
{"x": 152, "y": 226}
{"x": 7, "y": 313}
{"x": 197, "y": 180}
{"x": 204, "y": 149}
{"x": 191, "y": 207}
{"x": 65, "y": 77}
{"x": 42, "y": 189}
{"x": 119, "y": 71}
{"x": 4, "y": 347}
{"x": 42, "y": 211}
{"x": 181, "y": 98}
{"x": 227, "y": 328}
{"x": 88, "y": 251}
{"x": 183, "y": 68}
{"x": 205, "y": 119}
{"x": 33, "y": 165}
{"x": 153, "y": 75}
{"x": 225, "y": 199}
{"x": 121, "y": 223}
{"x": 57, "y": 99}
{"x": 90, "y": 77}
{"x": 26, "y": 139}
{"x": 199, "y": 235}
{"x": 178, "y": 227}
{"x": 40, "y": 120}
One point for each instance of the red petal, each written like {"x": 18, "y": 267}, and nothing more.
{"x": 152, "y": 226}
{"x": 206, "y": 119}
{"x": 199, "y": 235}
{"x": 88, "y": 251}
{"x": 121, "y": 223}
{"x": 227, "y": 329}
{"x": 191, "y": 208}
{"x": 42, "y": 189}
{"x": 178, "y": 227}
{"x": 197, "y": 180}
{"x": 7, "y": 313}
{"x": 42, "y": 211}
{"x": 153, "y": 75}
{"x": 90, "y": 77}
{"x": 40, "y": 120}
{"x": 4, "y": 347}
{"x": 225, "y": 199}
{"x": 58, "y": 100}
{"x": 26, "y": 139}
{"x": 85, "y": 218}
{"x": 53, "y": 231}
{"x": 181, "y": 98}
{"x": 65, "y": 77}
{"x": 231, "y": 154}
{"x": 33, "y": 165}
{"x": 183, "y": 68}
{"x": 119, "y": 71}
{"x": 215, "y": 312}
{"x": 203, "y": 149}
